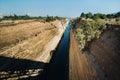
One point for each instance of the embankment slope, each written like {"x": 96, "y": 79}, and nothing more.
{"x": 80, "y": 68}
{"x": 25, "y": 48}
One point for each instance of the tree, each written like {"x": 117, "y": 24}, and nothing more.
{"x": 49, "y": 18}
{"x": 26, "y": 17}
{"x": 117, "y": 15}
{"x": 96, "y": 16}
{"x": 15, "y": 17}
{"x": 89, "y": 15}
{"x": 110, "y": 16}
{"x": 83, "y": 15}
{"x": 56, "y": 17}
{"x": 103, "y": 16}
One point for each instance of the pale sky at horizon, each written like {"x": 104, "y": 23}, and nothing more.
{"x": 66, "y": 8}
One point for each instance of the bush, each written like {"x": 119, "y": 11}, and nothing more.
{"x": 117, "y": 20}
{"x": 90, "y": 31}
{"x": 50, "y": 18}
{"x": 83, "y": 15}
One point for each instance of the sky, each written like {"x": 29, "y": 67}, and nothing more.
{"x": 64, "y": 8}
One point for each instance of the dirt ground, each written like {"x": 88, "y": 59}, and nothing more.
{"x": 80, "y": 68}
{"x": 106, "y": 51}
{"x": 26, "y": 40}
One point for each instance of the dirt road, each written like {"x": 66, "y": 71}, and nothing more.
{"x": 80, "y": 68}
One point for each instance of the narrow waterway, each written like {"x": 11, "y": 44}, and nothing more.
{"x": 58, "y": 68}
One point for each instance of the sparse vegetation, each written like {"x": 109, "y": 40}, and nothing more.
{"x": 118, "y": 20}
{"x": 99, "y": 15}
{"x": 16, "y": 17}
{"x": 88, "y": 32}
{"x": 94, "y": 26}
{"x": 50, "y": 18}
{"x": 27, "y": 17}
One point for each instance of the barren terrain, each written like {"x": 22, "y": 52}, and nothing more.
{"x": 80, "y": 68}
{"x": 26, "y": 43}
{"x": 106, "y": 51}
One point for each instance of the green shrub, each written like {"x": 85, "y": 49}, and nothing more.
{"x": 50, "y": 18}
{"x": 117, "y": 19}
{"x": 88, "y": 32}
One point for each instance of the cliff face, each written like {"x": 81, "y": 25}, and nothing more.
{"x": 102, "y": 52}
{"x": 106, "y": 51}
{"x": 27, "y": 58}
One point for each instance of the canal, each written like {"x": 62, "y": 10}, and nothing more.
{"x": 58, "y": 68}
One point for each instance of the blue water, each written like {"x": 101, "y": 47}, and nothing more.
{"x": 58, "y": 68}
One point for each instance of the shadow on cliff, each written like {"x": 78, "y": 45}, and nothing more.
{"x": 106, "y": 51}
{"x": 11, "y": 68}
